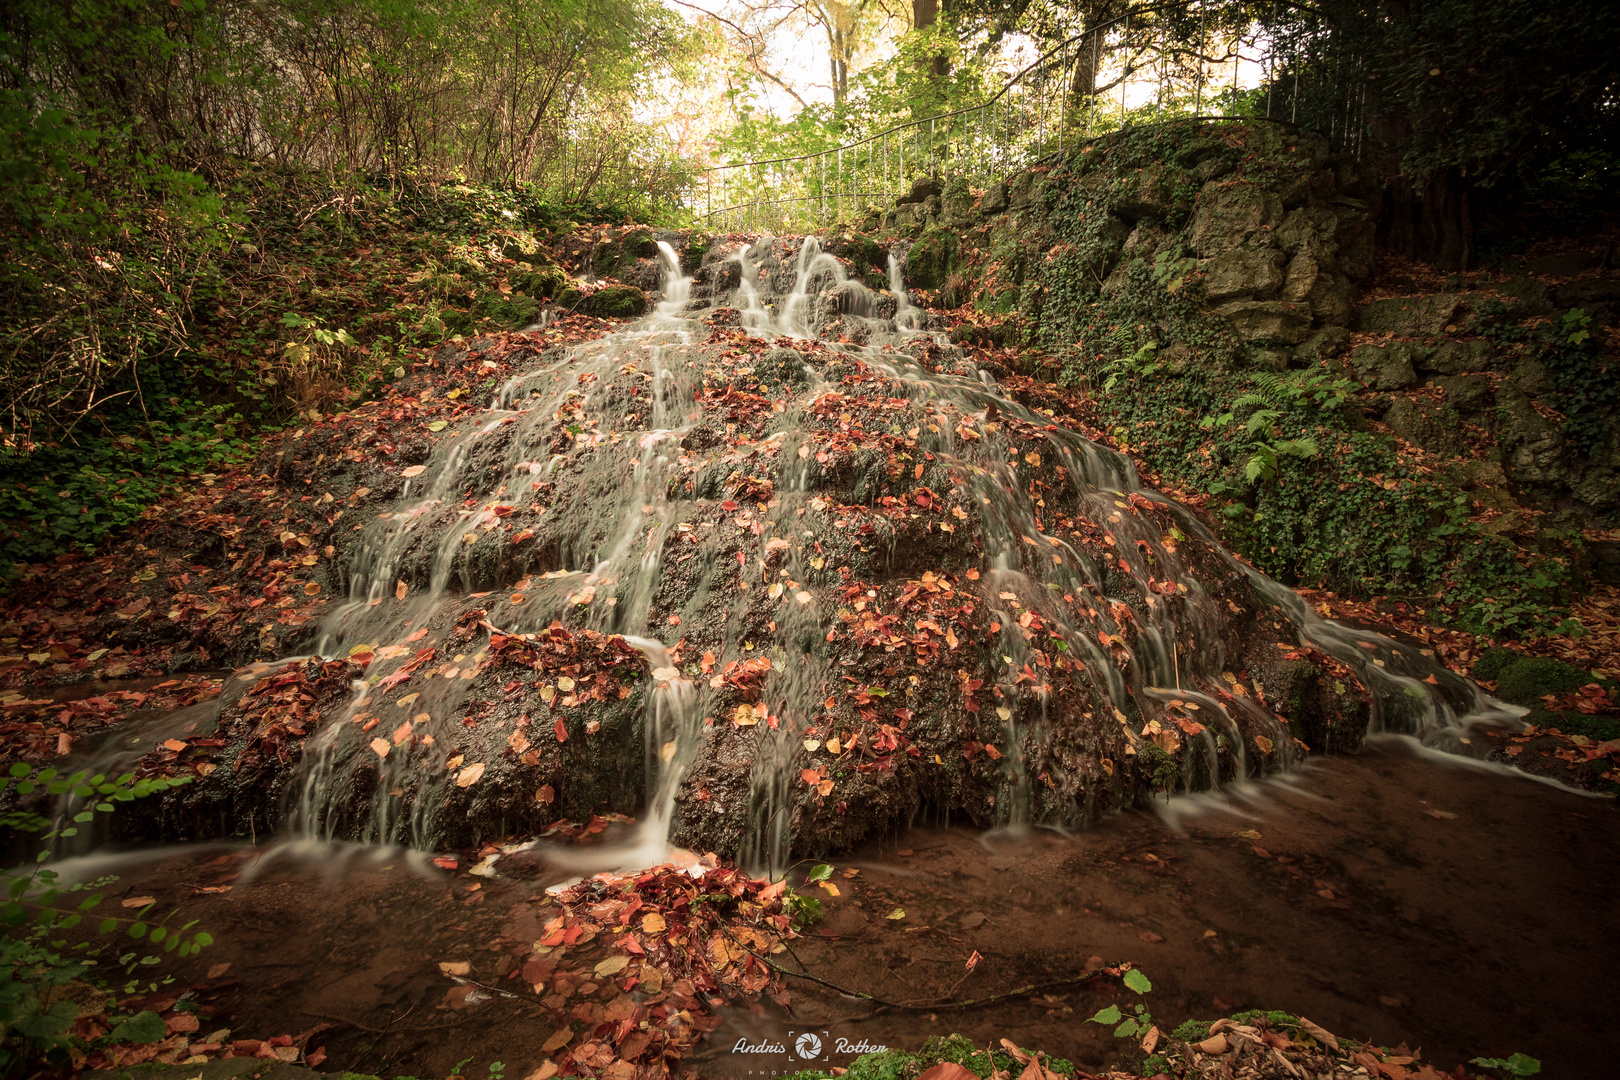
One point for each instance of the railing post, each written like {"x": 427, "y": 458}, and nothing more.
{"x": 1125, "y": 72}
{"x": 1091, "y": 112}
{"x": 1063, "y": 95}
{"x": 1198, "y": 102}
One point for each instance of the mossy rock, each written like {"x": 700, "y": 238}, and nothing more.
{"x": 781, "y": 367}
{"x": 615, "y": 302}
{"x": 1530, "y": 678}
{"x": 542, "y": 283}
{"x": 929, "y": 262}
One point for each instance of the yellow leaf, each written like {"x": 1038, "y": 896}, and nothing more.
{"x": 612, "y": 966}
{"x": 652, "y": 923}
{"x": 897, "y": 913}
{"x": 470, "y": 775}
{"x": 380, "y": 747}
{"x": 455, "y": 967}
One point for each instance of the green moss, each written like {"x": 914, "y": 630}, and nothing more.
{"x": 1528, "y": 679}
{"x": 615, "y": 302}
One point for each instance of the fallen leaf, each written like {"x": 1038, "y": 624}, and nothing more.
{"x": 949, "y": 1070}
{"x": 612, "y": 966}
{"x": 219, "y": 969}
{"x": 1319, "y": 1033}
{"x": 558, "y": 1039}
{"x": 400, "y": 589}
{"x": 1150, "y": 937}
{"x": 973, "y": 918}
{"x": 653, "y": 923}
{"x": 1215, "y": 1045}
{"x": 1443, "y": 815}
{"x": 380, "y": 747}
{"x": 470, "y": 775}
{"x": 897, "y": 913}
{"x": 414, "y": 470}
{"x": 140, "y": 901}
{"x": 455, "y": 967}
{"x": 174, "y": 744}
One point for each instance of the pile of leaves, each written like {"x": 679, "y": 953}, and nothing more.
{"x": 631, "y": 967}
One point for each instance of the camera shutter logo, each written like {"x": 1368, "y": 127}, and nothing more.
{"x": 808, "y": 1045}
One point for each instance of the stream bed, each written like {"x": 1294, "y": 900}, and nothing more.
{"x": 1395, "y": 895}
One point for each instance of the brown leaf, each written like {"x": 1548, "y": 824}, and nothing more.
{"x": 140, "y": 901}
{"x": 949, "y": 1070}
{"x": 559, "y": 1039}
{"x": 1215, "y": 1045}
{"x": 400, "y": 589}
{"x": 653, "y": 923}
{"x": 1319, "y": 1033}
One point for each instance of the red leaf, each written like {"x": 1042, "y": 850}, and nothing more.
{"x": 562, "y": 731}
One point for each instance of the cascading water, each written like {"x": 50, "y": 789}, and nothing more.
{"x": 906, "y": 314}
{"x": 678, "y": 505}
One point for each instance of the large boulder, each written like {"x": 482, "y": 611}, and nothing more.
{"x": 1535, "y": 447}
{"x": 1244, "y": 272}
{"x": 1455, "y": 357}
{"x": 1466, "y": 393}
{"x": 1384, "y": 367}
{"x": 1152, "y": 194}
{"x": 1423, "y": 423}
{"x": 1232, "y": 215}
{"x": 1268, "y": 321}
{"x": 1409, "y": 316}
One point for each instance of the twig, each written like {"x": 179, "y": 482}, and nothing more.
{"x": 936, "y": 1005}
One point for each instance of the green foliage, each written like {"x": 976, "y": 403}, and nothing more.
{"x": 1516, "y": 1065}
{"x": 1127, "y": 1025}
{"x": 1138, "y": 364}
{"x": 1583, "y": 389}
{"x": 36, "y": 959}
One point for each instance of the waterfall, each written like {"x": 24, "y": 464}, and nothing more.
{"x": 646, "y": 536}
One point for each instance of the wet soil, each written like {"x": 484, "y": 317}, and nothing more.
{"x": 1393, "y": 896}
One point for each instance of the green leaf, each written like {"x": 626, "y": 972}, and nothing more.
{"x": 19, "y": 769}
{"x": 203, "y": 939}
{"x": 1110, "y": 1015}
{"x": 1137, "y": 981}
{"x": 138, "y": 930}
{"x": 107, "y": 926}
{"x": 144, "y": 1027}
{"x": 39, "y": 1023}
{"x": 1127, "y": 1029}
{"x": 819, "y": 872}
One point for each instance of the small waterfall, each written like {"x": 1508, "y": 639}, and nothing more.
{"x": 1134, "y": 649}
{"x": 906, "y": 315}
{"x": 755, "y": 318}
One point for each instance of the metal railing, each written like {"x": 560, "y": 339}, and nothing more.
{"x": 1038, "y": 113}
